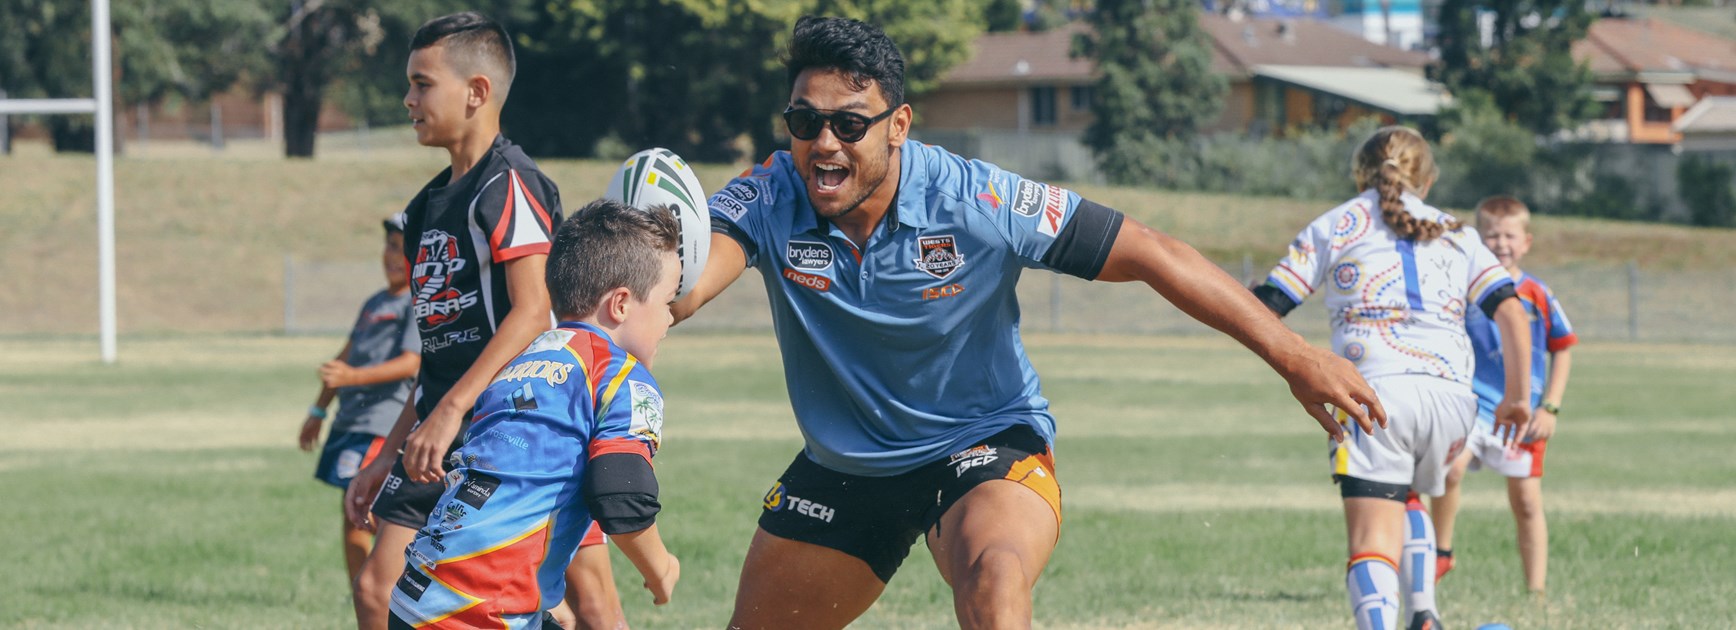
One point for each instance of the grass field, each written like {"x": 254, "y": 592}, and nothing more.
{"x": 202, "y": 236}
{"x": 165, "y": 492}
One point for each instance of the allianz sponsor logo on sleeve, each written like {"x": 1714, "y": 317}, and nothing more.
{"x": 1054, "y": 210}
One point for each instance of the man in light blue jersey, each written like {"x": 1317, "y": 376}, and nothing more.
{"x": 891, "y": 268}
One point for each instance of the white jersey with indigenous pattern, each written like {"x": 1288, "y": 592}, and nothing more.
{"x": 1397, "y": 305}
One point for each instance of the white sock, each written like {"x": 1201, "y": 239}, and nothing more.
{"x": 1373, "y": 584}
{"x": 1417, "y": 567}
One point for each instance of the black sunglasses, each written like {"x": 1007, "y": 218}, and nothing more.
{"x": 849, "y": 127}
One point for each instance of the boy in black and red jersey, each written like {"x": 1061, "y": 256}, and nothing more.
{"x": 477, "y": 237}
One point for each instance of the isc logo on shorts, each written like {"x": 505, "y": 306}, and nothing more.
{"x": 776, "y": 501}
{"x": 971, "y": 458}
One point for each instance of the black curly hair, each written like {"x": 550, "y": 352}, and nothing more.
{"x": 858, "y": 49}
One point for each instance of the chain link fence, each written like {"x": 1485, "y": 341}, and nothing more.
{"x": 1609, "y": 302}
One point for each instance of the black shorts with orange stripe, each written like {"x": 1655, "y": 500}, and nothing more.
{"x": 877, "y": 519}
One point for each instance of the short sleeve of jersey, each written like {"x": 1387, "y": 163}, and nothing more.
{"x": 1029, "y": 214}
{"x": 1486, "y": 273}
{"x": 411, "y": 341}
{"x": 1561, "y": 335}
{"x": 738, "y": 210}
{"x": 1304, "y": 265}
{"x": 630, "y": 415}
{"x": 516, "y": 211}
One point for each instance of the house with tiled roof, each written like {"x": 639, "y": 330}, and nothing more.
{"x": 1649, "y": 73}
{"x": 1283, "y": 74}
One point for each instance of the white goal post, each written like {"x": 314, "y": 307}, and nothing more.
{"x": 101, "y": 105}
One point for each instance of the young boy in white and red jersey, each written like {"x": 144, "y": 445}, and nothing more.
{"x": 1505, "y": 224}
{"x": 371, "y": 378}
{"x": 477, "y": 237}
{"x": 562, "y": 442}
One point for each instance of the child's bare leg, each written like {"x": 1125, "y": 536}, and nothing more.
{"x": 357, "y": 541}
{"x": 1444, "y": 509}
{"x": 591, "y": 590}
{"x": 380, "y": 572}
{"x": 1526, "y": 498}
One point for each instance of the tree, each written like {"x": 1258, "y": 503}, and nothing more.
{"x": 163, "y": 48}
{"x": 1155, "y": 90}
{"x": 695, "y": 76}
{"x": 320, "y": 39}
{"x": 1000, "y": 16}
{"x": 1524, "y": 59}
{"x": 1706, "y": 189}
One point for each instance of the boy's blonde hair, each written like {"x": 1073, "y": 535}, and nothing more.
{"x": 1503, "y": 207}
{"x": 1393, "y": 161}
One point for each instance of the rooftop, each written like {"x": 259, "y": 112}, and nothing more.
{"x": 1238, "y": 46}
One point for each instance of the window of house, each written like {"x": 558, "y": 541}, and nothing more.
{"x": 1655, "y": 112}
{"x": 1043, "y": 105}
{"x": 1082, "y": 95}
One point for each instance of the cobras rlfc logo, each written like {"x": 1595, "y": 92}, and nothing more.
{"x": 437, "y": 261}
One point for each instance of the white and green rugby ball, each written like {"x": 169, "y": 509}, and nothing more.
{"x": 658, "y": 177}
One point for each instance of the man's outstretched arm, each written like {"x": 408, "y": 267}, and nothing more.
{"x": 722, "y": 266}
{"x": 1199, "y": 288}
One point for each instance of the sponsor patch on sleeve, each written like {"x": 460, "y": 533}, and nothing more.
{"x": 647, "y": 412}
{"x": 733, "y": 200}
{"x": 1028, "y": 198}
{"x": 1054, "y": 210}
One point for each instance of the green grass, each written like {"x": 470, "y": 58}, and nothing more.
{"x": 165, "y": 492}
{"x": 201, "y": 237}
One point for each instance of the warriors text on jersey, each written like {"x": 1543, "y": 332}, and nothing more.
{"x": 498, "y": 543}
{"x": 1397, "y": 305}
{"x": 458, "y": 236}
{"x": 907, "y": 349}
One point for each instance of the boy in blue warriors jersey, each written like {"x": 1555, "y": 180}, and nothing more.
{"x": 477, "y": 238}
{"x": 562, "y": 440}
{"x": 1505, "y": 224}
{"x": 371, "y": 378}
{"x": 891, "y": 266}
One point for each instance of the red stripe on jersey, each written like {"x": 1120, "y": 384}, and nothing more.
{"x": 1286, "y": 269}
{"x": 1479, "y": 278}
{"x": 620, "y": 445}
{"x": 504, "y": 579}
{"x": 606, "y": 355}
{"x": 1534, "y": 293}
{"x": 504, "y": 251}
{"x": 1562, "y": 343}
{"x": 510, "y": 253}
{"x": 595, "y": 351}
{"x": 593, "y": 536}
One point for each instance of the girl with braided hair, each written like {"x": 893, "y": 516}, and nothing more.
{"x": 1398, "y": 276}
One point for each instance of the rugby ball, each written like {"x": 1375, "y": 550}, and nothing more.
{"x": 659, "y": 177}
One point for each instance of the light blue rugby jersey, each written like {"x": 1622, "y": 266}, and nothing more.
{"x": 907, "y": 350}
